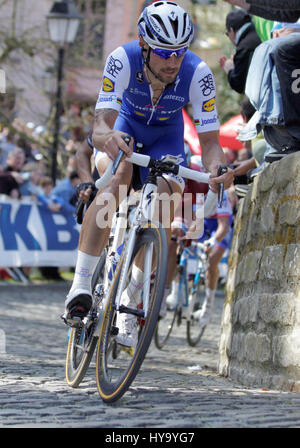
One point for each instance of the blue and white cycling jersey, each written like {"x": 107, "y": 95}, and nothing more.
{"x": 158, "y": 126}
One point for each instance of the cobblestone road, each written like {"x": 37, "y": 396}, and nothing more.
{"x": 167, "y": 393}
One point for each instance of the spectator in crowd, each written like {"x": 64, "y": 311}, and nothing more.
{"x": 7, "y": 144}
{"x": 52, "y": 201}
{"x": 66, "y": 188}
{"x": 11, "y": 177}
{"x": 15, "y": 160}
{"x": 241, "y": 32}
{"x": 265, "y": 92}
{"x": 9, "y": 186}
{"x": 32, "y": 175}
{"x": 280, "y": 59}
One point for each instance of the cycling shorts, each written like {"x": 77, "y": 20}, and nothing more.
{"x": 210, "y": 227}
{"x": 157, "y": 141}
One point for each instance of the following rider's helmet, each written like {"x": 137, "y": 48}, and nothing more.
{"x": 165, "y": 24}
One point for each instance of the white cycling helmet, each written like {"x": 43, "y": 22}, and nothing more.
{"x": 165, "y": 24}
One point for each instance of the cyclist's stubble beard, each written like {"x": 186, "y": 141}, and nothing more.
{"x": 166, "y": 75}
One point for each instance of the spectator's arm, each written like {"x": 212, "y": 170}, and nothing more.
{"x": 275, "y": 14}
{"x": 237, "y": 76}
{"x": 64, "y": 205}
{"x": 244, "y": 166}
{"x": 277, "y": 4}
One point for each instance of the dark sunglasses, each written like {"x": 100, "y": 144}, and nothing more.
{"x": 166, "y": 54}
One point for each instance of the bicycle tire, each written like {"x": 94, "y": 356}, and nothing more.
{"x": 194, "y": 331}
{"x": 167, "y": 322}
{"x": 82, "y": 343}
{"x": 110, "y": 387}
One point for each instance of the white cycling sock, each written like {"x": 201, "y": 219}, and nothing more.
{"x": 210, "y": 294}
{"x": 209, "y": 298}
{"x": 84, "y": 270}
{"x": 175, "y": 286}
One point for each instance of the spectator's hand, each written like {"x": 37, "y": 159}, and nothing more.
{"x": 243, "y": 166}
{"x": 241, "y": 3}
{"x": 17, "y": 176}
{"x": 222, "y": 61}
{"x": 226, "y": 64}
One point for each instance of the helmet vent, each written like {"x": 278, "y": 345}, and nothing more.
{"x": 158, "y": 18}
{"x": 184, "y": 24}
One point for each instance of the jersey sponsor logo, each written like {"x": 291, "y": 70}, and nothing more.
{"x": 207, "y": 85}
{"x": 107, "y": 99}
{"x": 108, "y": 85}
{"x": 114, "y": 66}
{"x": 209, "y": 121}
{"x": 174, "y": 98}
{"x": 136, "y": 91}
{"x": 139, "y": 76}
{"x": 209, "y": 105}
{"x": 154, "y": 24}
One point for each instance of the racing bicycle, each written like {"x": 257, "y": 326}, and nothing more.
{"x": 142, "y": 240}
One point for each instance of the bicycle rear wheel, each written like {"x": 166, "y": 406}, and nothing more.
{"x": 194, "y": 330}
{"x": 116, "y": 365}
{"x": 82, "y": 343}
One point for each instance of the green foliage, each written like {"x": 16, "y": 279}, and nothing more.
{"x": 211, "y": 21}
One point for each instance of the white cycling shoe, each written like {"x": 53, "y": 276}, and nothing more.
{"x": 203, "y": 316}
{"x": 172, "y": 298}
{"x": 127, "y": 324}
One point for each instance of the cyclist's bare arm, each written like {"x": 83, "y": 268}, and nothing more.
{"x": 107, "y": 139}
{"x": 212, "y": 157}
{"x": 83, "y": 159}
{"x": 84, "y": 169}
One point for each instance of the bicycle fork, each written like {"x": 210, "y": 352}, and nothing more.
{"x": 142, "y": 216}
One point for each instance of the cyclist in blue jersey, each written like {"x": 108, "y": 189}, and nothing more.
{"x": 145, "y": 85}
{"x": 216, "y": 236}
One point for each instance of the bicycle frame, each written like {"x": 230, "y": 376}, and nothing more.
{"x": 143, "y": 215}
{"x": 185, "y": 301}
{"x": 122, "y": 247}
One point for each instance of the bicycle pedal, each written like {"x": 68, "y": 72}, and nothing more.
{"x": 128, "y": 350}
{"x": 73, "y": 322}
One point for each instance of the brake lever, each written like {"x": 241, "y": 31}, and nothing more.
{"x": 118, "y": 159}
{"x": 221, "y": 170}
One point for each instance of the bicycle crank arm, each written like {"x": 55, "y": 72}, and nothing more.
{"x": 138, "y": 313}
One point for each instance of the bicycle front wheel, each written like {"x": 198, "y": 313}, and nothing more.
{"x": 117, "y": 365}
{"x": 82, "y": 343}
{"x": 194, "y": 329}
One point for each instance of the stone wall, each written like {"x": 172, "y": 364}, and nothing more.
{"x": 260, "y": 337}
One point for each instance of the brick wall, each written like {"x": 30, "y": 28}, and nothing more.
{"x": 260, "y": 338}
